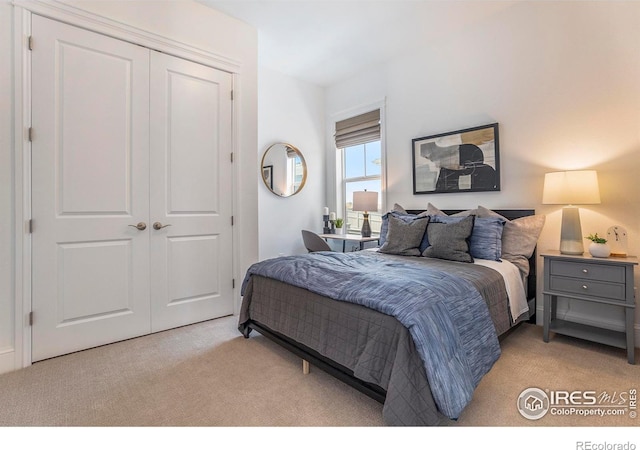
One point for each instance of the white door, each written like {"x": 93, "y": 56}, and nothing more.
{"x": 96, "y": 277}
{"x": 191, "y": 179}
{"x": 90, "y": 178}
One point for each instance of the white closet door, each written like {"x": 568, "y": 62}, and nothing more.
{"x": 191, "y": 180}
{"x": 90, "y": 182}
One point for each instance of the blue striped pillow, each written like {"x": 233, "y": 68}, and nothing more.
{"x": 486, "y": 237}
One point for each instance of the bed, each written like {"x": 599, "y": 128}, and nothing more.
{"x": 415, "y": 332}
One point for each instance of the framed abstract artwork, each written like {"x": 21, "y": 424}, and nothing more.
{"x": 458, "y": 161}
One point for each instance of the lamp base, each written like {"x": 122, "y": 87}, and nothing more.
{"x": 366, "y": 227}
{"x": 571, "y": 232}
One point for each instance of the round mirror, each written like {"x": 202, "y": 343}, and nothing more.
{"x": 284, "y": 170}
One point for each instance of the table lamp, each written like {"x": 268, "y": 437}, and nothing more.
{"x": 571, "y": 188}
{"x": 365, "y": 201}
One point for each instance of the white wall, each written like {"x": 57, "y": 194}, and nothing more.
{"x": 563, "y": 81}
{"x": 186, "y": 22}
{"x": 291, "y": 111}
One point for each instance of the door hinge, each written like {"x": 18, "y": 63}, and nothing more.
{"x": 31, "y": 318}
{"x": 231, "y": 94}
{"x": 233, "y": 283}
{"x": 30, "y": 42}
{"x": 231, "y": 220}
{"x": 30, "y": 134}
{"x": 231, "y": 156}
{"x": 29, "y": 226}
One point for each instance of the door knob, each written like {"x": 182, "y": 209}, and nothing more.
{"x": 140, "y": 226}
{"x": 159, "y": 226}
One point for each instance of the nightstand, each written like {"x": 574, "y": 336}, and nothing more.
{"x": 607, "y": 281}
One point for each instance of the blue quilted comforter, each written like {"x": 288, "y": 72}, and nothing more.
{"x": 446, "y": 316}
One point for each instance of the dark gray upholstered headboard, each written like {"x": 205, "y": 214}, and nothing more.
{"x": 509, "y": 214}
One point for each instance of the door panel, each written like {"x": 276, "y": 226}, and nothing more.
{"x": 90, "y": 178}
{"x": 192, "y": 137}
{"x": 189, "y": 281}
{"x": 191, "y": 260}
{"x": 81, "y": 269}
{"x": 95, "y": 130}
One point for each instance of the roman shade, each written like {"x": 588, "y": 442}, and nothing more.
{"x": 358, "y": 130}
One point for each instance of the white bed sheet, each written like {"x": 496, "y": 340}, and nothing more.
{"x": 513, "y": 281}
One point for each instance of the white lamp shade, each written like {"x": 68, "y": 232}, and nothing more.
{"x": 578, "y": 187}
{"x": 365, "y": 201}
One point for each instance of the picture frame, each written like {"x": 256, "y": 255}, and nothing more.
{"x": 267, "y": 175}
{"x": 465, "y": 160}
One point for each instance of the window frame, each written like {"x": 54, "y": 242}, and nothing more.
{"x": 339, "y": 190}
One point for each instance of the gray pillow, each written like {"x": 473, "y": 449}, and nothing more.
{"x": 399, "y": 208}
{"x": 486, "y": 237}
{"x": 434, "y": 211}
{"x": 519, "y": 237}
{"x": 450, "y": 240}
{"x": 384, "y": 227}
{"x": 404, "y": 238}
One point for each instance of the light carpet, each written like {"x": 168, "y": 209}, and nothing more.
{"x": 208, "y": 375}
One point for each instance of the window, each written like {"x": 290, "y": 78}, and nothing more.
{"x": 361, "y": 156}
{"x": 362, "y": 169}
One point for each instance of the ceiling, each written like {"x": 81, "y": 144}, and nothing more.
{"x": 326, "y": 41}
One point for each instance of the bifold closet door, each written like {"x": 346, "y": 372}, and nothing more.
{"x": 131, "y": 190}
{"x": 90, "y": 183}
{"x": 191, "y": 198}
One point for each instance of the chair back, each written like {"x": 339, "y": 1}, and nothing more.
{"x": 314, "y": 243}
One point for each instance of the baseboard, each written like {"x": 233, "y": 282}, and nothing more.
{"x": 7, "y": 361}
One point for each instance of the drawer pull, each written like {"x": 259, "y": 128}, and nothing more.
{"x": 584, "y": 287}
{"x": 585, "y": 271}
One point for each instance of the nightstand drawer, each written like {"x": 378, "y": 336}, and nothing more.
{"x": 588, "y": 287}
{"x": 600, "y": 272}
